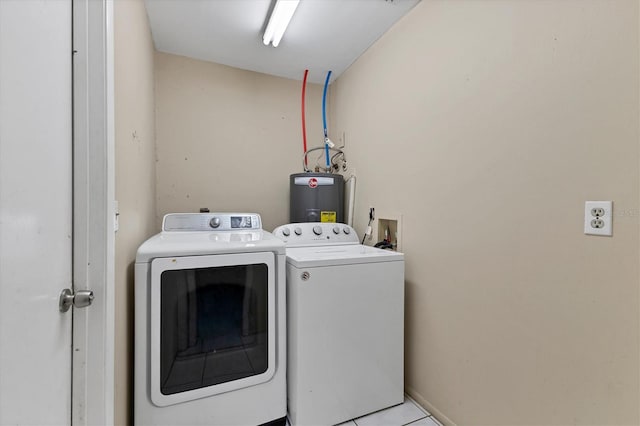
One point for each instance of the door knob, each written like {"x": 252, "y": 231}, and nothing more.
{"x": 81, "y": 299}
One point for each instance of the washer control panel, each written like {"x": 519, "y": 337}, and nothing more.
{"x": 181, "y": 222}
{"x": 315, "y": 233}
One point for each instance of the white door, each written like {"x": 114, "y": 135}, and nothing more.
{"x": 35, "y": 211}
{"x": 39, "y": 367}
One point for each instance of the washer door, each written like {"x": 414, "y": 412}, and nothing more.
{"x": 212, "y": 325}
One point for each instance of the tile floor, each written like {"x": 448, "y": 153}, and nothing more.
{"x": 408, "y": 413}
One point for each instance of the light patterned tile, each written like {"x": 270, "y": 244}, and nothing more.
{"x": 398, "y": 415}
{"x": 427, "y": 421}
{"x": 408, "y": 398}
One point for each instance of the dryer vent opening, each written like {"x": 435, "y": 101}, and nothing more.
{"x": 316, "y": 197}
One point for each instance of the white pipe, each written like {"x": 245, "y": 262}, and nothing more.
{"x": 350, "y": 195}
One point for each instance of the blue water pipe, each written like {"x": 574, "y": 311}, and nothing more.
{"x": 324, "y": 120}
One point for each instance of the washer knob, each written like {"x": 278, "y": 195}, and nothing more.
{"x": 317, "y": 230}
{"x": 347, "y": 231}
{"x": 336, "y": 230}
{"x": 298, "y": 230}
{"x": 214, "y": 222}
{"x": 286, "y": 232}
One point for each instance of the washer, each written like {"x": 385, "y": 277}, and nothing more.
{"x": 345, "y": 304}
{"x": 210, "y": 323}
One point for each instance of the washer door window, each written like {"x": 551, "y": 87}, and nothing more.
{"x": 212, "y": 325}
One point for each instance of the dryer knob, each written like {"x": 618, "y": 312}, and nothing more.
{"x": 298, "y": 230}
{"x": 214, "y": 222}
{"x": 347, "y": 231}
{"x": 317, "y": 230}
{"x": 336, "y": 230}
{"x": 286, "y": 232}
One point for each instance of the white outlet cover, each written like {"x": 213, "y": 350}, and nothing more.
{"x": 607, "y": 218}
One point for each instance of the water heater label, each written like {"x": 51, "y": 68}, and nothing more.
{"x": 312, "y": 182}
{"x": 328, "y": 217}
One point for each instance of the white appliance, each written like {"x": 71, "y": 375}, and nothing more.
{"x": 345, "y": 330}
{"x": 210, "y": 323}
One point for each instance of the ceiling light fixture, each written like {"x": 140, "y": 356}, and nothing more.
{"x": 279, "y": 20}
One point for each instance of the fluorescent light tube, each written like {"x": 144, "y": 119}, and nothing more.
{"x": 279, "y": 20}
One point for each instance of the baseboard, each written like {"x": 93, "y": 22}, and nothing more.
{"x": 429, "y": 407}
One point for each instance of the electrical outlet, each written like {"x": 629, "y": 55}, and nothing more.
{"x": 598, "y": 218}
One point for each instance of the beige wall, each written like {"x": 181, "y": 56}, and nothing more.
{"x": 135, "y": 176}
{"x": 228, "y": 139}
{"x": 487, "y": 125}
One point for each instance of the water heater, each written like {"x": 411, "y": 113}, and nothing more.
{"x": 316, "y": 197}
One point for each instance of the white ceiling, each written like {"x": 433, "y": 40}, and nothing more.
{"x": 323, "y": 34}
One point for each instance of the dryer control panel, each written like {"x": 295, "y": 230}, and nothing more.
{"x": 184, "y": 222}
{"x": 316, "y": 233}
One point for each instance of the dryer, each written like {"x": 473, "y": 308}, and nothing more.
{"x": 345, "y": 305}
{"x": 210, "y": 336}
